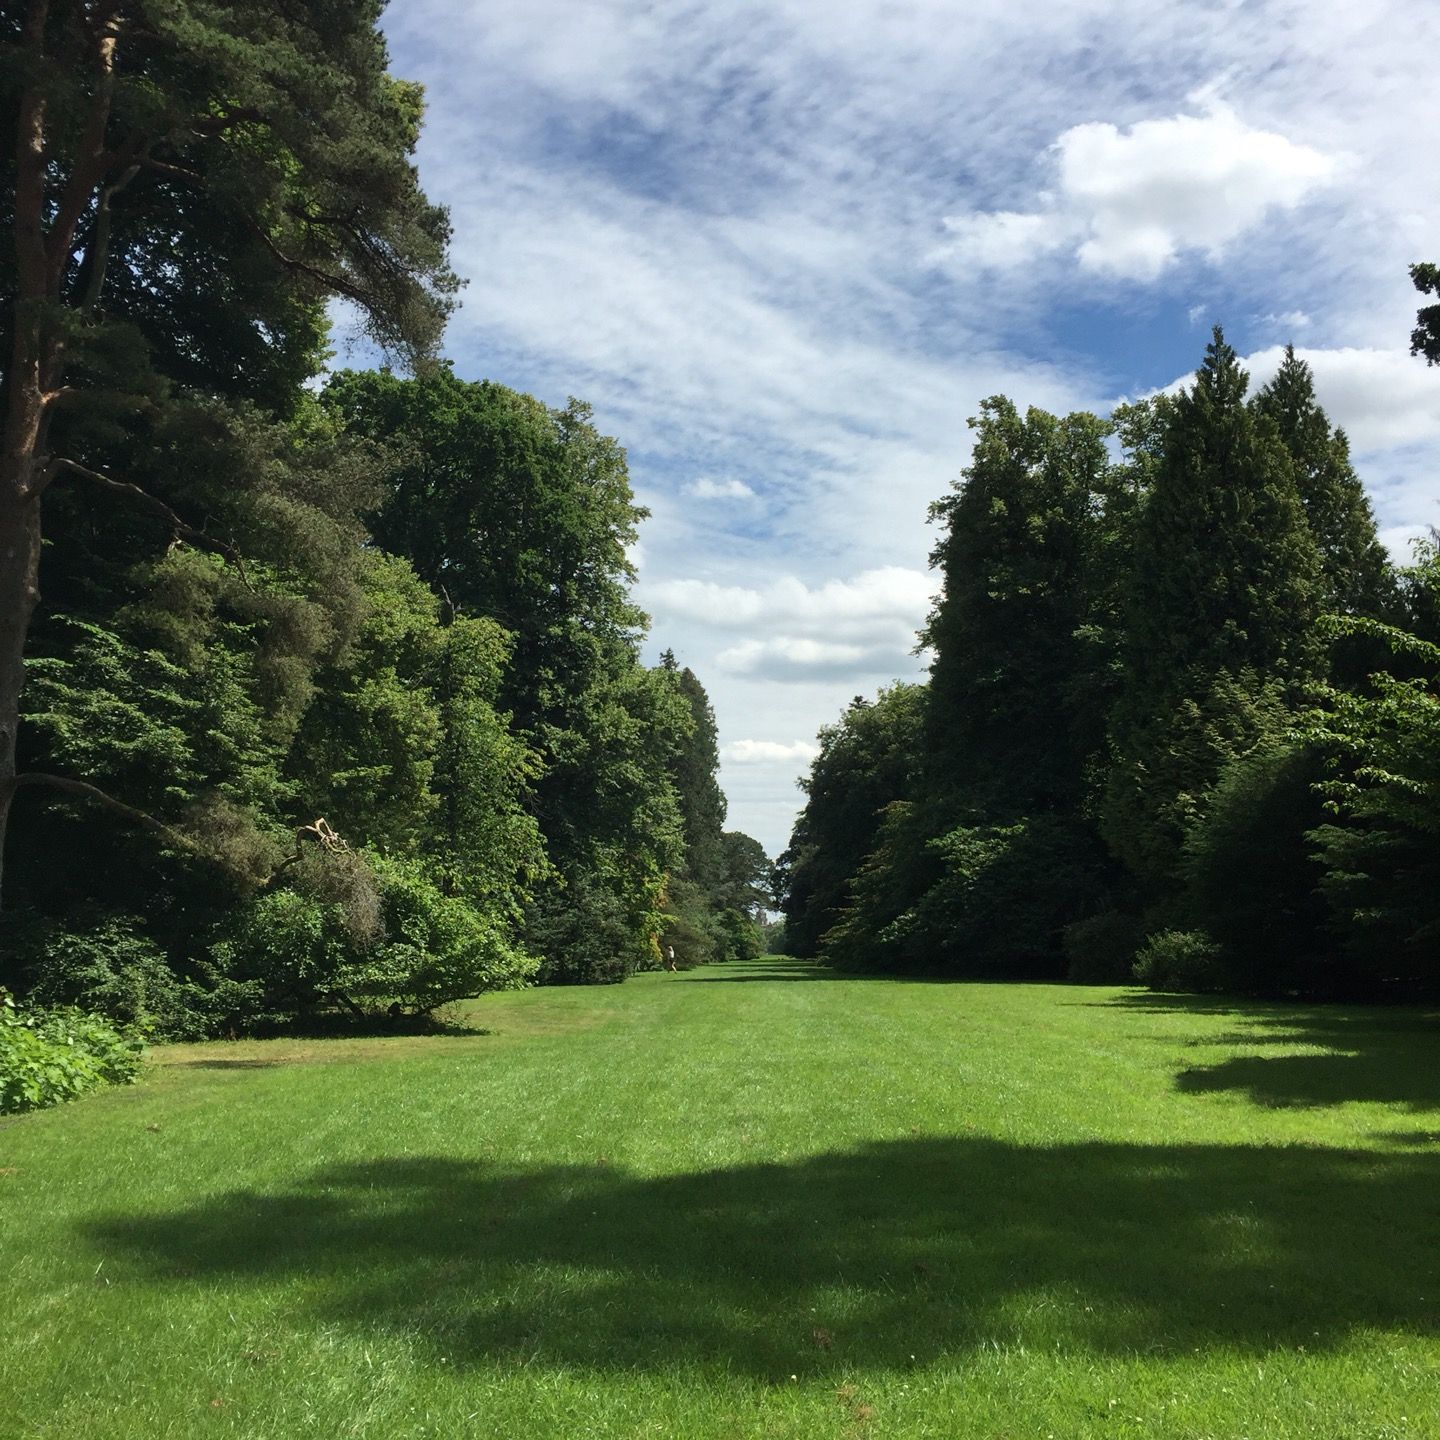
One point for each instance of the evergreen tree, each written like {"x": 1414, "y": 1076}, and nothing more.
{"x": 1355, "y": 570}
{"x": 1022, "y": 642}
{"x": 188, "y": 183}
{"x": 695, "y": 776}
{"x": 1225, "y": 590}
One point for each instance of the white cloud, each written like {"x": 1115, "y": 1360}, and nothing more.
{"x": 1128, "y": 202}
{"x": 716, "y": 222}
{"x": 1383, "y": 399}
{"x": 1191, "y": 182}
{"x": 1289, "y": 322}
{"x": 886, "y": 597}
{"x": 1001, "y": 238}
{"x": 708, "y": 489}
{"x": 769, "y": 752}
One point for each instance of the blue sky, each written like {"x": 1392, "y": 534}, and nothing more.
{"x": 785, "y": 249}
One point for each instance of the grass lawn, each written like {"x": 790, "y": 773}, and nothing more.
{"x": 747, "y": 1201}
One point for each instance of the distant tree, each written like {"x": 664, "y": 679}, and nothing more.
{"x": 867, "y": 760}
{"x": 695, "y": 776}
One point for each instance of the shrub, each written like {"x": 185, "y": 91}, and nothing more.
{"x": 367, "y": 932}
{"x": 1183, "y": 960}
{"x": 112, "y": 970}
{"x": 1101, "y": 949}
{"x": 47, "y": 1056}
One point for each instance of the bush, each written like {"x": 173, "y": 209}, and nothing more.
{"x": 1101, "y": 949}
{"x": 363, "y": 932}
{"x": 1183, "y": 960}
{"x": 47, "y": 1056}
{"x": 112, "y": 970}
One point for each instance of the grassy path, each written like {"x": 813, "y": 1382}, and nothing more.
{"x": 746, "y": 1202}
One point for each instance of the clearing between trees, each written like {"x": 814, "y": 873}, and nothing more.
{"x": 750, "y": 1200}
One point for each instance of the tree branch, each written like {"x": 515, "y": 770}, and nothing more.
{"x": 182, "y": 529}
{"x": 219, "y": 124}
{"x": 336, "y": 283}
{"x": 92, "y": 160}
{"x": 93, "y": 792}
{"x": 30, "y": 166}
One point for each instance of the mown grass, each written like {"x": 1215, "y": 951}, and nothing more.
{"x": 748, "y": 1201}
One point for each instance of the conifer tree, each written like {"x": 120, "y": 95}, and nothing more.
{"x": 1355, "y": 571}
{"x": 1225, "y": 590}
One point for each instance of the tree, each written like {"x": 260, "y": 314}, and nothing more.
{"x": 1380, "y": 850}
{"x": 867, "y": 760}
{"x": 1017, "y": 697}
{"x": 694, "y": 773}
{"x": 1356, "y": 578}
{"x": 524, "y": 514}
{"x": 1425, "y": 338}
{"x": 1220, "y": 626}
{"x": 182, "y": 172}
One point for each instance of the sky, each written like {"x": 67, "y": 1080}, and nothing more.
{"x": 784, "y": 249}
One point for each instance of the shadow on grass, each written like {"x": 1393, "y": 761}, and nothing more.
{"x": 227, "y": 1064}
{"x": 1368, "y": 1053}
{"x": 882, "y": 1257}
{"x": 768, "y": 971}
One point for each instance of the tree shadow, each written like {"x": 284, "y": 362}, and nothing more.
{"x": 1386, "y": 1055}
{"x": 884, "y": 1257}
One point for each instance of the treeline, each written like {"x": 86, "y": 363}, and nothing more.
{"x": 1182, "y": 721}
{"x": 334, "y": 697}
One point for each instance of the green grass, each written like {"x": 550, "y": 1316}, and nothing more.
{"x": 748, "y": 1201}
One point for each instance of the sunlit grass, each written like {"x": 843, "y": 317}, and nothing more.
{"x": 745, "y": 1202}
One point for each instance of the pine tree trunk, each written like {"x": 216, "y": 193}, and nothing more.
{"x": 19, "y": 573}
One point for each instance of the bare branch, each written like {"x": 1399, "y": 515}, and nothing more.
{"x": 99, "y": 257}
{"x": 93, "y": 792}
{"x": 179, "y": 172}
{"x": 92, "y": 160}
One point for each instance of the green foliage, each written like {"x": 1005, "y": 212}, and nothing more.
{"x": 1123, "y": 644}
{"x": 518, "y": 512}
{"x": 992, "y": 900}
{"x": 1224, "y": 593}
{"x": 1252, "y": 878}
{"x": 1356, "y": 577}
{"x": 693, "y": 775}
{"x": 47, "y": 1056}
{"x": 1023, "y": 629}
{"x": 866, "y": 762}
{"x": 1381, "y": 851}
{"x": 1186, "y": 960}
{"x": 1101, "y": 949}
{"x": 357, "y": 931}
{"x": 111, "y": 969}
{"x": 1425, "y": 337}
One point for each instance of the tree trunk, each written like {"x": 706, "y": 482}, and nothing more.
{"x": 19, "y": 590}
